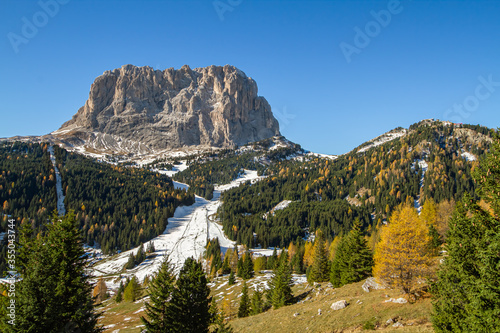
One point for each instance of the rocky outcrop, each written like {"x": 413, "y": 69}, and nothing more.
{"x": 371, "y": 284}
{"x": 154, "y": 110}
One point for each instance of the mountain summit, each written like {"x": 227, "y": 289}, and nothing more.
{"x": 141, "y": 109}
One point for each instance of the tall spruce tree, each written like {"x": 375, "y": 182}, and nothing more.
{"x": 119, "y": 292}
{"x": 231, "y": 279}
{"x": 320, "y": 268}
{"x": 244, "y": 309}
{"x": 466, "y": 296}
{"x": 55, "y": 294}
{"x": 190, "y": 299}
{"x": 159, "y": 314}
{"x": 281, "y": 284}
{"x": 131, "y": 261}
{"x": 273, "y": 260}
{"x": 140, "y": 256}
{"x": 257, "y": 305}
{"x": 337, "y": 263}
{"x": 245, "y": 266}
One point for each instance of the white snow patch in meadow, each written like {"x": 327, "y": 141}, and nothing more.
{"x": 299, "y": 278}
{"x": 222, "y": 285}
{"x": 264, "y": 252}
{"x": 185, "y": 236}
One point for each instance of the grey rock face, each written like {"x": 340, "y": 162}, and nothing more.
{"x": 211, "y": 107}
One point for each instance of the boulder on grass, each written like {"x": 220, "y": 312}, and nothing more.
{"x": 339, "y": 305}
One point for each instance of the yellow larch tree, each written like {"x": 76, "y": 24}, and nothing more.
{"x": 401, "y": 257}
{"x": 100, "y": 291}
{"x": 429, "y": 212}
{"x": 308, "y": 254}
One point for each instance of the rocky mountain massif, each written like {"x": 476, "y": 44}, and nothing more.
{"x": 142, "y": 110}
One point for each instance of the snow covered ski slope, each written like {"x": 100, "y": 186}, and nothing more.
{"x": 185, "y": 236}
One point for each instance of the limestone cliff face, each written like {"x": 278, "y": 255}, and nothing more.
{"x": 212, "y": 107}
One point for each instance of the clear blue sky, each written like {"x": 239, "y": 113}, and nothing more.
{"x": 420, "y": 61}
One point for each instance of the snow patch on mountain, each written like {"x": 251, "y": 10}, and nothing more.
{"x": 424, "y": 166}
{"x": 389, "y": 136}
{"x": 468, "y": 156}
{"x": 177, "y": 168}
{"x": 331, "y": 157}
{"x": 280, "y": 206}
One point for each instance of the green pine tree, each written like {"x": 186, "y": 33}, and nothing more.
{"x": 257, "y": 305}
{"x": 150, "y": 248}
{"x": 273, "y": 260}
{"x": 280, "y": 292}
{"x": 244, "y": 309}
{"x": 119, "y": 297}
{"x": 226, "y": 268}
{"x": 240, "y": 268}
{"x": 247, "y": 271}
{"x": 55, "y": 294}
{"x": 190, "y": 299}
{"x": 435, "y": 242}
{"x": 131, "y": 261}
{"x": 140, "y": 256}
{"x": 159, "y": 314}
{"x": 231, "y": 279}
{"x": 466, "y": 296}
{"x": 336, "y": 266}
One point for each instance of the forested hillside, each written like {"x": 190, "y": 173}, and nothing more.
{"x": 434, "y": 160}
{"x": 117, "y": 207}
{"x": 27, "y": 182}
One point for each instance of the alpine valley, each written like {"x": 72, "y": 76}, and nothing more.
{"x": 190, "y": 163}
